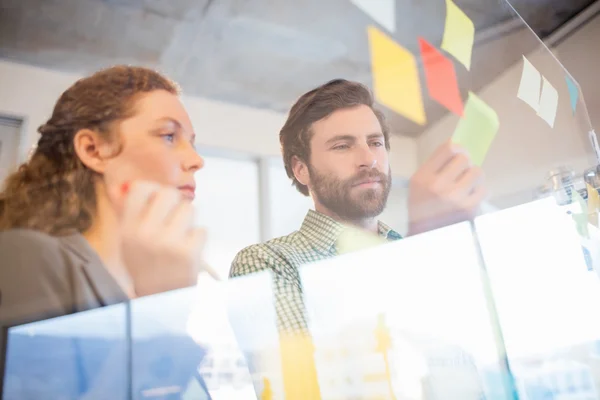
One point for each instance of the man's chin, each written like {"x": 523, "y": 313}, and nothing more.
{"x": 368, "y": 210}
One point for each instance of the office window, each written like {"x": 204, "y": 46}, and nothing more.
{"x": 10, "y": 135}
{"x": 227, "y": 205}
{"x": 396, "y": 212}
{"x": 287, "y": 206}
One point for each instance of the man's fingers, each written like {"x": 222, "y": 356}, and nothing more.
{"x": 474, "y": 200}
{"x": 454, "y": 169}
{"x": 471, "y": 179}
{"x": 440, "y": 157}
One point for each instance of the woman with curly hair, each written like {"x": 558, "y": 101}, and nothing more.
{"x": 102, "y": 210}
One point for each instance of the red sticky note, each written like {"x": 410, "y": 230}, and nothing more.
{"x": 442, "y": 81}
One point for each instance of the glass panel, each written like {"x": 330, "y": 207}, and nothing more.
{"x": 544, "y": 139}
{"x": 185, "y": 347}
{"x": 227, "y": 206}
{"x": 80, "y": 356}
{"x": 540, "y": 255}
{"x": 547, "y": 295}
{"x": 405, "y": 322}
{"x": 165, "y": 358}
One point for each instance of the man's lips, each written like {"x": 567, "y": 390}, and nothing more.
{"x": 368, "y": 182}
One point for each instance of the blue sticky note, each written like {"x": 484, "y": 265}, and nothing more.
{"x": 573, "y": 93}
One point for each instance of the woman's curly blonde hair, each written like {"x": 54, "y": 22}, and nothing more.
{"x": 54, "y": 192}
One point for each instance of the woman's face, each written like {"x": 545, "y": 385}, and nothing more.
{"x": 157, "y": 144}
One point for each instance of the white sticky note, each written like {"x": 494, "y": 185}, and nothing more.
{"x": 548, "y": 103}
{"x": 382, "y": 11}
{"x": 530, "y": 86}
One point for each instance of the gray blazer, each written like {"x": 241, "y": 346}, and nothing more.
{"x": 43, "y": 277}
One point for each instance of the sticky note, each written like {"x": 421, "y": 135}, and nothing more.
{"x": 352, "y": 239}
{"x": 581, "y": 218}
{"x": 573, "y": 92}
{"x": 396, "y": 81}
{"x": 442, "y": 81}
{"x": 382, "y": 11}
{"x": 459, "y": 34}
{"x": 531, "y": 85}
{"x": 593, "y": 204}
{"x": 477, "y": 129}
{"x": 548, "y": 103}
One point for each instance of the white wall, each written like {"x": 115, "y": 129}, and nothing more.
{"x": 526, "y": 148}
{"x": 30, "y": 92}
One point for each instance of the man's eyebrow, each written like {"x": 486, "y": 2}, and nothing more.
{"x": 340, "y": 137}
{"x": 353, "y": 138}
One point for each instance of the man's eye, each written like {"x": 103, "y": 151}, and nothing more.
{"x": 341, "y": 147}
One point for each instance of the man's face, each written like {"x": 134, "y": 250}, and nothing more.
{"x": 349, "y": 172}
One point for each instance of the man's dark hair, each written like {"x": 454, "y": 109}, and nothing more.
{"x": 315, "y": 105}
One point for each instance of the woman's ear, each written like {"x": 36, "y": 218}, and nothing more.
{"x": 300, "y": 169}
{"x": 91, "y": 149}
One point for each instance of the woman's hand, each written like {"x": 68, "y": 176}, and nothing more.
{"x": 160, "y": 246}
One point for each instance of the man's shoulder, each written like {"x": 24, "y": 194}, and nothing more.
{"x": 273, "y": 254}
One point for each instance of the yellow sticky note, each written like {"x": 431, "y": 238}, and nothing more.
{"x": 459, "y": 34}
{"x": 593, "y": 197}
{"x": 477, "y": 129}
{"x": 593, "y": 204}
{"x": 396, "y": 79}
{"x": 352, "y": 239}
{"x": 298, "y": 366}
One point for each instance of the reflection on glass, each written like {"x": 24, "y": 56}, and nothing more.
{"x": 251, "y": 312}
{"x": 183, "y": 344}
{"x": 546, "y": 297}
{"x": 403, "y": 320}
{"x": 80, "y": 356}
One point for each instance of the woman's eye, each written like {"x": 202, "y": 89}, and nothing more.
{"x": 170, "y": 137}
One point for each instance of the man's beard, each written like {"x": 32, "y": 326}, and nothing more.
{"x": 348, "y": 202}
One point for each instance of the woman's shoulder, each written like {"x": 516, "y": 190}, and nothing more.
{"x": 24, "y": 237}
{"x": 30, "y": 250}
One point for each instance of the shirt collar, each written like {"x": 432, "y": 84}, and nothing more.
{"x": 322, "y": 231}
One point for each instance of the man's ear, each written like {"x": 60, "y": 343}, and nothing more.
{"x": 91, "y": 149}
{"x": 300, "y": 169}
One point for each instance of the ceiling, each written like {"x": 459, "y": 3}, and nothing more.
{"x": 261, "y": 53}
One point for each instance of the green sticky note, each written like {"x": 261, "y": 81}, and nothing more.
{"x": 476, "y": 129}
{"x": 581, "y": 219}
